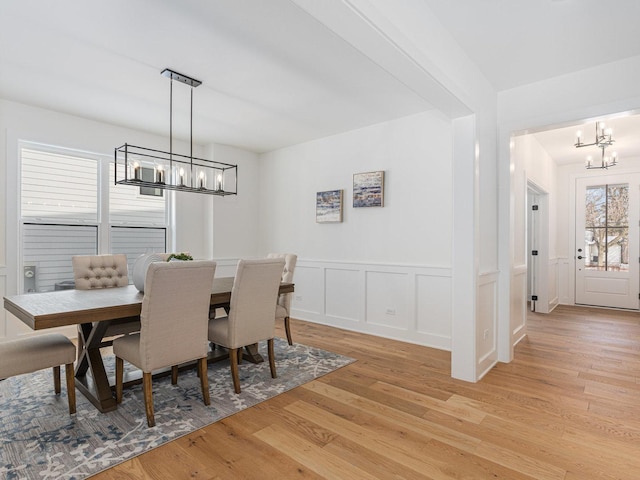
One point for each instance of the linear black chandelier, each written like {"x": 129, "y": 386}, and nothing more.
{"x": 603, "y": 139}
{"x": 152, "y": 169}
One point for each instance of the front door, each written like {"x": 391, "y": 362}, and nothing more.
{"x": 606, "y": 245}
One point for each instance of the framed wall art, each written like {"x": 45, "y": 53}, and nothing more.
{"x": 368, "y": 189}
{"x": 329, "y": 206}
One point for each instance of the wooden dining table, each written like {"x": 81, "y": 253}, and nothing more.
{"x": 94, "y": 310}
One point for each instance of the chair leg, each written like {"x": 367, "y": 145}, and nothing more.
{"x": 148, "y": 398}
{"x": 174, "y": 375}
{"x": 287, "y": 328}
{"x": 233, "y": 357}
{"x": 56, "y": 379}
{"x": 119, "y": 378}
{"x": 240, "y": 356}
{"x": 71, "y": 387}
{"x": 272, "y": 358}
{"x": 204, "y": 380}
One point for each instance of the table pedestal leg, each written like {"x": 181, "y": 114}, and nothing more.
{"x": 251, "y": 354}
{"x": 96, "y": 385}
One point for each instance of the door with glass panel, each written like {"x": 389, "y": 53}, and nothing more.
{"x": 607, "y": 252}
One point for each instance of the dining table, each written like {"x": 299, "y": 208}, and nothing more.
{"x": 93, "y": 311}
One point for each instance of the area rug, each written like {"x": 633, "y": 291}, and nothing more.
{"x": 40, "y": 440}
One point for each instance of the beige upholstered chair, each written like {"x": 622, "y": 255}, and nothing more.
{"x": 251, "y": 313}
{"x": 283, "y": 309}
{"x": 175, "y": 311}
{"x": 104, "y": 271}
{"x": 30, "y": 354}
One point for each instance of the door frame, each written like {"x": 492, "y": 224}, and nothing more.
{"x": 541, "y": 286}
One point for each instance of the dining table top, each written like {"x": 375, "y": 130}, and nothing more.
{"x": 72, "y": 307}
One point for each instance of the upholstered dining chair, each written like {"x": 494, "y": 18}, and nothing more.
{"x": 251, "y": 312}
{"x": 30, "y": 354}
{"x": 283, "y": 309}
{"x": 104, "y": 271}
{"x": 175, "y": 311}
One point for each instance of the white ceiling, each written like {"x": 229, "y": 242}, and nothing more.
{"x": 515, "y": 42}
{"x": 273, "y": 75}
{"x": 559, "y": 143}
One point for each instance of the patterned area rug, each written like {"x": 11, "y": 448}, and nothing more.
{"x": 40, "y": 440}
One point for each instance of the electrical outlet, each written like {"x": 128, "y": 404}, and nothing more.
{"x": 391, "y": 311}
{"x": 298, "y": 298}
{"x": 486, "y": 333}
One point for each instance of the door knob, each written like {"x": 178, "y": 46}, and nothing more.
{"x": 579, "y": 257}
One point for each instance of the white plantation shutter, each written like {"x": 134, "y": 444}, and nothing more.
{"x": 61, "y": 193}
{"x": 50, "y": 247}
{"x": 128, "y": 207}
{"x": 136, "y": 241}
{"x": 59, "y": 188}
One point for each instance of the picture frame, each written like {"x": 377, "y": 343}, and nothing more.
{"x": 368, "y": 189}
{"x": 329, "y": 206}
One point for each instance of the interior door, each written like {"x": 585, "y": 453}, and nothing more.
{"x": 607, "y": 241}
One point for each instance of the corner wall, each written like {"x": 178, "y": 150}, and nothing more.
{"x": 385, "y": 271}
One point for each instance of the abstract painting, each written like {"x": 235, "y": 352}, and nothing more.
{"x": 329, "y": 206}
{"x": 368, "y": 189}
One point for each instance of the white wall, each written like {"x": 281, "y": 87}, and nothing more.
{"x": 384, "y": 270}
{"x": 193, "y": 212}
{"x": 235, "y": 217}
{"x": 413, "y": 227}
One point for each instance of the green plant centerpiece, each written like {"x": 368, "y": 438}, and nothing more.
{"x": 179, "y": 256}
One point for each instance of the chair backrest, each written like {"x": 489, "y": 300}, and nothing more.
{"x": 175, "y": 313}
{"x": 290, "y": 261}
{"x": 100, "y": 271}
{"x": 253, "y": 301}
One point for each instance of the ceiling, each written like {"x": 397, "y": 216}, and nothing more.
{"x": 272, "y": 74}
{"x": 515, "y": 42}
{"x": 559, "y": 143}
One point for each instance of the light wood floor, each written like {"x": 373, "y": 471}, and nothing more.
{"x": 567, "y": 407}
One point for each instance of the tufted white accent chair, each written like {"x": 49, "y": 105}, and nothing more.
{"x": 284, "y": 301}
{"x": 104, "y": 271}
{"x": 100, "y": 271}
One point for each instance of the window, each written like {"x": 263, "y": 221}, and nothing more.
{"x": 71, "y": 206}
{"x": 607, "y": 227}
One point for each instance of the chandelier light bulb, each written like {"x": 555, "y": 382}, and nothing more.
{"x": 603, "y": 139}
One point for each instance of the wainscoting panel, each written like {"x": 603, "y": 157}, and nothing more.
{"x": 518, "y": 303}
{"x": 433, "y": 299}
{"x": 387, "y": 299}
{"x": 552, "y": 283}
{"x": 3, "y": 292}
{"x": 226, "y": 267}
{"x": 403, "y": 302}
{"x": 343, "y": 294}
{"x": 565, "y": 281}
{"x": 487, "y": 321}
{"x": 309, "y": 285}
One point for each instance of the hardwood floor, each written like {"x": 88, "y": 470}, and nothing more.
{"x": 567, "y": 407}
